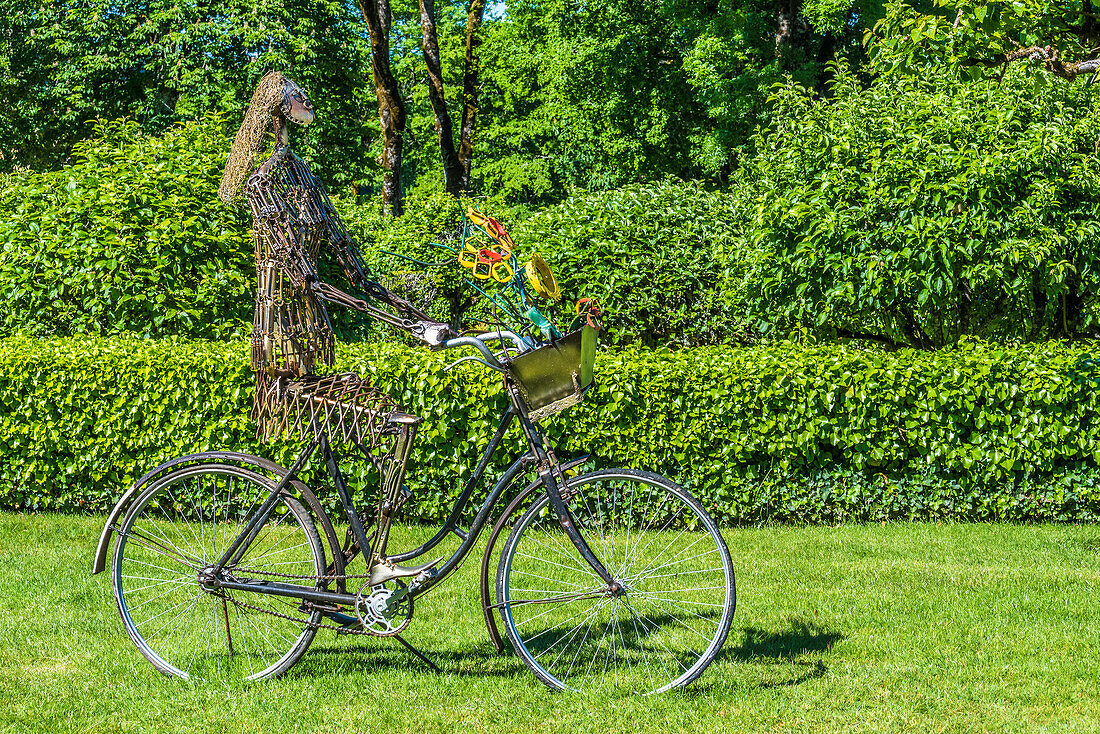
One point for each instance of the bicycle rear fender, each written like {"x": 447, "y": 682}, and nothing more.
{"x": 99, "y": 563}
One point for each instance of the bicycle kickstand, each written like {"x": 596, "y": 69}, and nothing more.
{"x": 417, "y": 653}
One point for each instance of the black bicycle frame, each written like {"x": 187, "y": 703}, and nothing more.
{"x": 538, "y": 456}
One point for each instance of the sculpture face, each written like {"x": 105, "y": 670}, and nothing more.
{"x": 296, "y": 106}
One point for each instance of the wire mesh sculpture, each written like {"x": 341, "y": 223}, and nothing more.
{"x": 292, "y": 336}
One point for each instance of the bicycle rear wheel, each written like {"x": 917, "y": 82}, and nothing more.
{"x": 180, "y": 526}
{"x": 673, "y": 614}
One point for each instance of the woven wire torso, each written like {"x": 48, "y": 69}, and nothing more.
{"x": 291, "y": 332}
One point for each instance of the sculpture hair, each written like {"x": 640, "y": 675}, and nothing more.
{"x": 252, "y": 137}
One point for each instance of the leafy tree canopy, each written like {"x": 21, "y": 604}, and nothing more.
{"x": 980, "y": 35}
{"x": 66, "y": 63}
{"x": 924, "y": 208}
{"x": 598, "y": 95}
{"x": 573, "y": 94}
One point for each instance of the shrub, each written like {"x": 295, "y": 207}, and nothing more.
{"x": 665, "y": 260}
{"x": 130, "y": 238}
{"x": 921, "y": 210}
{"x": 781, "y": 432}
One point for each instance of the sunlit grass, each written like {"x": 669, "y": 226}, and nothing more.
{"x": 902, "y": 627}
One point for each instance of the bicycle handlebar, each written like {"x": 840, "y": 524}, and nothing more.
{"x": 478, "y": 343}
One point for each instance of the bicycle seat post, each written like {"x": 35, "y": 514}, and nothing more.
{"x": 354, "y": 522}
{"x": 393, "y": 477}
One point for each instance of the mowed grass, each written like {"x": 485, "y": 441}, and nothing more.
{"x": 892, "y": 628}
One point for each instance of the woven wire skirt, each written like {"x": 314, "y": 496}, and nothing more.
{"x": 343, "y": 405}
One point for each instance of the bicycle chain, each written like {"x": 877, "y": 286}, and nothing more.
{"x": 306, "y": 577}
{"x": 316, "y": 625}
{"x": 307, "y": 623}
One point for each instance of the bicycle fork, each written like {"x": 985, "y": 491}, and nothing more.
{"x": 552, "y": 478}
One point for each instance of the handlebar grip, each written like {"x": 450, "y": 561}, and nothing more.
{"x": 472, "y": 341}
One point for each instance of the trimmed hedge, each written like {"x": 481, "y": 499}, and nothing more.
{"x": 775, "y": 433}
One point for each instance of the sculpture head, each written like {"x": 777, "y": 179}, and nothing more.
{"x": 276, "y": 101}
{"x": 296, "y": 106}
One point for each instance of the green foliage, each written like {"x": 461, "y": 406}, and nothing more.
{"x": 735, "y": 52}
{"x": 601, "y": 95}
{"x": 921, "y": 209}
{"x": 582, "y": 95}
{"x": 664, "y": 260}
{"x": 131, "y": 238}
{"x": 979, "y": 34}
{"x": 572, "y": 95}
{"x": 65, "y": 64}
{"x": 781, "y": 432}
{"x": 387, "y": 243}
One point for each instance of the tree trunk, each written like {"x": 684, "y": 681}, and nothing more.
{"x": 1090, "y": 24}
{"x": 792, "y": 34}
{"x": 1040, "y": 301}
{"x": 391, "y": 108}
{"x": 965, "y": 299}
{"x": 455, "y": 177}
{"x": 469, "y": 89}
{"x": 1069, "y": 319}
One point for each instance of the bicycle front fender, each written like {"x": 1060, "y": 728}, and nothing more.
{"x": 486, "y": 558}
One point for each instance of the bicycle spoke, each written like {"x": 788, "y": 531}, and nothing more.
{"x": 187, "y": 518}
{"x": 661, "y": 628}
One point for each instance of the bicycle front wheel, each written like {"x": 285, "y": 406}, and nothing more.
{"x": 177, "y": 530}
{"x": 672, "y": 614}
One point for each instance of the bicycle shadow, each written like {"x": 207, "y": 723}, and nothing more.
{"x": 801, "y": 644}
{"x": 381, "y": 654}
{"x": 802, "y": 637}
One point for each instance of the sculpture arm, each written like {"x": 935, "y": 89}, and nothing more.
{"x": 426, "y": 329}
{"x": 347, "y": 253}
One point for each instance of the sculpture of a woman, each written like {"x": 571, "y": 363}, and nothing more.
{"x": 293, "y": 220}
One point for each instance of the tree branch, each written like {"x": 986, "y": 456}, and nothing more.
{"x": 1050, "y": 57}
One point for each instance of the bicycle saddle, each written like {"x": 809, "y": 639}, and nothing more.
{"x": 386, "y": 570}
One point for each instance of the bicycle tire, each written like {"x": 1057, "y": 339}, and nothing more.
{"x": 182, "y": 523}
{"x": 657, "y": 541}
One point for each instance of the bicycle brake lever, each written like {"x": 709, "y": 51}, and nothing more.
{"x": 469, "y": 358}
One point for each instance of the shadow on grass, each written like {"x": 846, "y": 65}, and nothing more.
{"x": 799, "y": 645}
{"x": 382, "y": 655}
{"x": 800, "y": 638}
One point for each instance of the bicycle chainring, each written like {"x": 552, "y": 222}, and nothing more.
{"x": 384, "y": 610}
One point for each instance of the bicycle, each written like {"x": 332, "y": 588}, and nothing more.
{"x": 613, "y": 578}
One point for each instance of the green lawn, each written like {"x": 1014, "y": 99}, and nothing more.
{"x": 899, "y": 627}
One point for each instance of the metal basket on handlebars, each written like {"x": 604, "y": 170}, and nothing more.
{"x": 556, "y": 376}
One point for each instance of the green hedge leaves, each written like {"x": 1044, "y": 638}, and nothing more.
{"x": 783, "y": 432}
{"x": 919, "y": 210}
{"x": 131, "y": 238}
